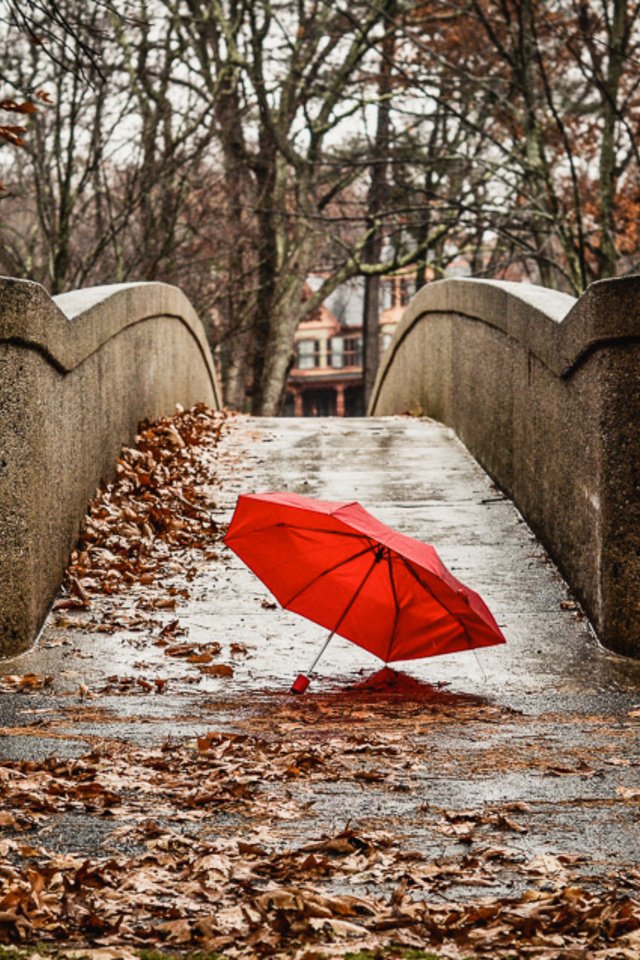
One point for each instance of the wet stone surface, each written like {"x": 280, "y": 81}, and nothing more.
{"x": 506, "y": 755}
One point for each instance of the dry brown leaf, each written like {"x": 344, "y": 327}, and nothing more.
{"x": 628, "y": 793}
{"x": 181, "y": 650}
{"x": 217, "y": 670}
{"x": 238, "y": 649}
{"x": 23, "y": 683}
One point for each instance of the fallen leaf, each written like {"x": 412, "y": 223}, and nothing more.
{"x": 23, "y": 683}
{"x": 628, "y": 793}
{"x": 217, "y": 670}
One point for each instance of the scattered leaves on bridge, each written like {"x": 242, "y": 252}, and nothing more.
{"x": 214, "y": 844}
{"x": 23, "y": 683}
{"x": 346, "y": 823}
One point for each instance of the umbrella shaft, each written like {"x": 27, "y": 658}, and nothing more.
{"x": 343, "y": 615}
{"x": 322, "y": 650}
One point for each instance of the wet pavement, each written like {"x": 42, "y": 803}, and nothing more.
{"x": 417, "y": 477}
{"x": 558, "y": 716}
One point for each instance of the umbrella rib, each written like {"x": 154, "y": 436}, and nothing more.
{"x": 325, "y": 573}
{"x": 426, "y": 587}
{"x": 397, "y": 606}
{"x": 323, "y": 530}
{"x": 297, "y": 526}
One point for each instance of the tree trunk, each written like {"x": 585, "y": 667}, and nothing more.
{"x": 376, "y": 201}
{"x": 608, "y": 254}
{"x": 280, "y": 318}
{"x": 537, "y": 173}
{"x": 235, "y": 369}
{"x": 265, "y": 396}
{"x": 371, "y": 326}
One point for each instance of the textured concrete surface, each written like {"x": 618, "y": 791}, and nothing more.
{"x": 552, "y": 693}
{"x": 543, "y": 390}
{"x": 417, "y": 477}
{"x": 76, "y": 377}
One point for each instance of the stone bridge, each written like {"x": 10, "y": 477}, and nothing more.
{"x": 77, "y": 374}
{"x": 542, "y": 389}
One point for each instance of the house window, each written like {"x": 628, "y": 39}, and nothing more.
{"x": 336, "y": 347}
{"x": 352, "y": 351}
{"x": 346, "y": 352}
{"x": 308, "y": 354}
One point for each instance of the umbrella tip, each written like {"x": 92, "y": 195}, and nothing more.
{"x": 300, "y": 684}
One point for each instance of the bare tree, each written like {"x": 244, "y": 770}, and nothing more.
{"x": 378, "y": 199}
{"x": 292, "y": 88}
{"x": 234, "y": 147}
{"x": 53, "y": 185}
{"x": 101, "y": 190}
{"x": 567, "y": 98}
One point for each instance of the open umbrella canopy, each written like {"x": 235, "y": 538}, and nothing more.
{"x": 338, "y": 566}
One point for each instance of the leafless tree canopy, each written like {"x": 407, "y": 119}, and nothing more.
{"x": 236, "y": 146}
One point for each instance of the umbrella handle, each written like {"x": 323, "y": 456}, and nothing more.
{"x": 301, "y": 682}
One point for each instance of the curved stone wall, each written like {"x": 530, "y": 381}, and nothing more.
{"x": 77, "y": 374}
{"x": 544, "y": 390}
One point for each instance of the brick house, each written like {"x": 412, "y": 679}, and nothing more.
{"x": 327, "y": 377}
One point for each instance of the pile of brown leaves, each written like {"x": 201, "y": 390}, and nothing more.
{"x": 159, "y": 504}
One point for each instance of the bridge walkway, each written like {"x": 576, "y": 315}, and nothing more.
{"x": 417, "y": 477}
{"x": 547, "y": 723}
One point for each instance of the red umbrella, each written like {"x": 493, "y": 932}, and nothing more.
{"x": 341, "y": 568}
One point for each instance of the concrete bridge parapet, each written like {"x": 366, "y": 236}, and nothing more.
{"x": 77, "y": 374}
{"x": 544, "y": 390}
